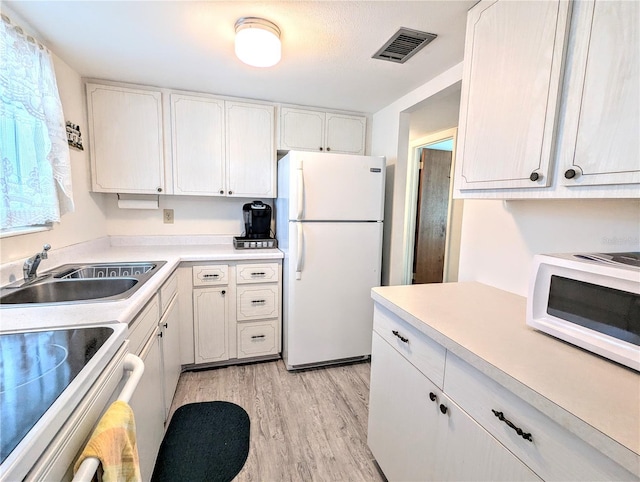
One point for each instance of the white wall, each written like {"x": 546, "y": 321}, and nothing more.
{"x": 390, "y": 138}
{"x": 88, "y": 221}
{"x": 499, "y": 238}
{"x": 192, "y": 215}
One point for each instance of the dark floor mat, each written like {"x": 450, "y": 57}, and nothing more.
{"x": 207, "y": 441}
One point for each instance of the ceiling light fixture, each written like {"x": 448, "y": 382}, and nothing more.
{"x": 258, "y": 42}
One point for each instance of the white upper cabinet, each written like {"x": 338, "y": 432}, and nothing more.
{"x": 198, "y": 145}
{"x": 125, "y": 139}
{"x": 250, "y": 146}
{"x": 312, "y": 130}
{"x": 600, "y": 143}
{"x": 520, "y": 136}
{"x": 510, "y": 92}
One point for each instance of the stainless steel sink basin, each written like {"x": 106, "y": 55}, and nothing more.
{"x": 78, "y": 283}
{"x": 70, "y": 290}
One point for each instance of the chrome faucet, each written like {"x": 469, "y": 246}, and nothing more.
{"x": 30, "y": 266}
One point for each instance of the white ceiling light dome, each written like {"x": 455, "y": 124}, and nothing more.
{"x": 258, "y": 42}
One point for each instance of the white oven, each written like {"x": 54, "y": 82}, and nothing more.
{"x": 591, "y": 300}
{"x": 56, "y": 384}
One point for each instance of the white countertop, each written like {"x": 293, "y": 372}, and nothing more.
{"x": 183, "y": 249}
{"x": 594, "y": 398}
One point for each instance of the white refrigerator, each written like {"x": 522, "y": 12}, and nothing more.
{"x": 329, "y": 214}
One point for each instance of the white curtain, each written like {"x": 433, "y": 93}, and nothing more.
{"x": 35, "y": 174}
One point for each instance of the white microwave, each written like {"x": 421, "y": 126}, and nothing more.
{"x": 591, "y": 300}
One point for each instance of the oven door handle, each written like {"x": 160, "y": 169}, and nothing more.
{"x": 132, "y": 364}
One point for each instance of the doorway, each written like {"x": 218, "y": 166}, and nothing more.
{"x": 434, "y": 219}
{"x": 432, "y": 212}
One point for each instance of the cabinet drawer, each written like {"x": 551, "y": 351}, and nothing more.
{"x": 256, "y": 302}
{"x": 141, "y": 327}
{"x": 217, "y": 274}
{"x": 168, "y": 291}
{"x": 257, "y": 273}
{"x": 553, "y": 452}
{"x": 422, "y": 352}
{"x": 258, "y": 338}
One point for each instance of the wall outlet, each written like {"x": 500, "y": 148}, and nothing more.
{"x": 167, "y": 215}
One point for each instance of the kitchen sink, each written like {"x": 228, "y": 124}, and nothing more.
{"x": 76, "y": 283}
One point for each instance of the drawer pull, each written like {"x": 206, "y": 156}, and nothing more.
{"x": 258, "y": 302}
{"x": 258, "y": 274}
{"x": 519, "y": 431}
{"x": 256, "y": 337}
{"x": 402, "y": 338}
{"x": 207, "y": 276}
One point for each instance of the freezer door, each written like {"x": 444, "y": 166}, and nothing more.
{"x": 330, "y": 270}
{"x": 335, "y": 187}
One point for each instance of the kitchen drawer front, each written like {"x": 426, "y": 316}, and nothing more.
{"x": 257, "y": 302}
{"x": 553, "y": 453}
{"x": 211, "y": 275}
{"x": 258, "y": 338}
{"x": 257, "y": 273}
{"x": 140, "y": 329}
{"x": 420, "y": 350}
{"x": 168, "y": 291}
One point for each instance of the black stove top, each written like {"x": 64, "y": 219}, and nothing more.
{"x": 35, "y": 368}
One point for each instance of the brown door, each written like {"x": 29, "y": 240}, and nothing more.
{"x": 431, "y": 222}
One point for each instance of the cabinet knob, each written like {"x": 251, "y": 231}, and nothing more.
{"x": 159, "y": 189}
{"x": 223, "y": 292}
{"x": 328, "y": 149}
{"x": 221, "y": 191}
{"x": 432, "y": 396}
{"x": 160, "y": 334}
{"x": 230, "y": 192}
{"x": 535, "y": 176}
{"x": 166, "y": 325}
{"x": 443, "y": 408}
{"x": 570, "y": 173}
{"x": 320, "y": 148}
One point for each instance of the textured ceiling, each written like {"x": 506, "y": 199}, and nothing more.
{"x": 326, "y": 46}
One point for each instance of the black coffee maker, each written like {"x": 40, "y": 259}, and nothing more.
{"x": 257, "y": 220}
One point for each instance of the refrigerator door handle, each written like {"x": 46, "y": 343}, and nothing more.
{"x": 300, "y": 191}
{"x": 300, "y": 248}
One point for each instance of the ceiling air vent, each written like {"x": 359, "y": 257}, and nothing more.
{"x": 403, "y": 45}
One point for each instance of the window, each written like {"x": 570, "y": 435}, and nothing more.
{"x": 35, "y": 170}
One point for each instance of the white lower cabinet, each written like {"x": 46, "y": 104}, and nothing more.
{"x": 417, "y": 433}
{"x": 210, "y": 311}
{"x": 170, "y": 338}
{"x": 236, "y": 311}
{"x": 549, "y": 449}
{"x": 466, "y": 425}
{"x": 148, "y": 406}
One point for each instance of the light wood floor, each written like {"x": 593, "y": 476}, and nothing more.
{"x": 305, "y": 426}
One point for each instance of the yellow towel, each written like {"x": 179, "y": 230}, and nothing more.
{"x": 113, "y": 442}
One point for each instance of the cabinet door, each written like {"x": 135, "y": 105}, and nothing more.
{"x": 148, "y": 407}
{"x": 169, "y": 327}
{"x": 210, "y": 311}
{"x": 251, "y": 154}
{"x": 197, "y": 135}
{"x": 125, "y": 139}
{"x": 301, "y": 130}
{"x": 601, "y": 127}
{"x": 510, "y": 92}
{"x": 468, "y": 452}
{"x": 403, "y": 421}
{"x": 345, "y": 134}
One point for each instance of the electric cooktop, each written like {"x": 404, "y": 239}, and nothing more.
{"x": 35, "y": 368}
